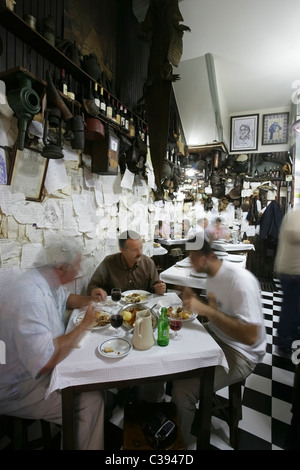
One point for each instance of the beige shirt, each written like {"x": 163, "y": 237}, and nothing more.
{"x": 287, "y": 260}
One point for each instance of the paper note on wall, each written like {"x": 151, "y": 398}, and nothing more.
{"x": 56, "y": 177}
{"x": 33, "y": 255}
{"x": 9, "y": 252}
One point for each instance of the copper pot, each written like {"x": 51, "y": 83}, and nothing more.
{"x": 94, "y": 129}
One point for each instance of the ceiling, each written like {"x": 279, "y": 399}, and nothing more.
{"x": 256, "y": 54}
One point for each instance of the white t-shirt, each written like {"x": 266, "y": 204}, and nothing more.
{"x": 238, "y": 295}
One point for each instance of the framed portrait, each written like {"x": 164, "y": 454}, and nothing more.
{"x": 244, "y": 133}
{"x": 275, "y": 128}
{"x": 28, "y": 172}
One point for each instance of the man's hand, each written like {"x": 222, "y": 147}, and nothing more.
{"x": 160, "y": 288}
{"x": 98, "y": 294}
{"x": 89, "y": 317}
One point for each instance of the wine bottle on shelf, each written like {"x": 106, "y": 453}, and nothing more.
{"x": 114, "y": 111}
{"x": 131, "y": 127}
{"x": 62, "y": 84}
{"x": 118, "y": 114}
{"x": 122, "y": 116}
{"x": 96, "y": 95}
{"x": 126, "y": 128}
{"x": 102, "y": 102}
{"x": 109, "y": 107}
{"x": 71, "y": 93}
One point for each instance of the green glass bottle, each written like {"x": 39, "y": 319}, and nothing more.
{"x": 163, "y": 328}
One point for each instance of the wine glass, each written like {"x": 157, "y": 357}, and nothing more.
{"x": 175, "y": 321}
{"x": 116, "y": 320}
{"x": 116, "y": 295}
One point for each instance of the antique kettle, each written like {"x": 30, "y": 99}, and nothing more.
{"x": 25, "y": 103}
{"x": 143, "y": 337}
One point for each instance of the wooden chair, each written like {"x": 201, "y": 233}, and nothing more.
{"x": 17, "y": 430}
{"x": 228, "y": 409}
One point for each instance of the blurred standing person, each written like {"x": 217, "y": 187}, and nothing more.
{"x": 186, "y": 226}
{"x": 287, "y": 267}
{"x": 201, "y": 227}
{"x": 235, "y": 321}
{"x": 33, "y": 329}
{"x": 217, "y": 230}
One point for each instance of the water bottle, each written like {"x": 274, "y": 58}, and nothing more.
{"x": 163, "y": 328}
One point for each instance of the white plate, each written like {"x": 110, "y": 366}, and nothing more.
{"x": 144, "y": 296}
{"x": 220, "y": 253}
{"x": 236, "y": 258}
{"x": 195, "y": 274}
{"x": 78, "y": 319}
{"x": 121, "y": 347}
{"x": 184, "y": 263}
{"x": 191, "y": 317}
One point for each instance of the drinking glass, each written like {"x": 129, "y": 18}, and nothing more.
{"x": 116, "y": 295}
{"x": 176, "y": 325}
{"x": 116, "y": 321}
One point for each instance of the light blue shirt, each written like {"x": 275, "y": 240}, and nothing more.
{"x": 31, "y": 316}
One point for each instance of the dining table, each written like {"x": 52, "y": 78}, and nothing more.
{"x": 87, "y": 368}
{"x": 182, "y": 273}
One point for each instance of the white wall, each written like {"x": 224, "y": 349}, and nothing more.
{"x": 194, "y": 103}
{"x": 89, "y": 209}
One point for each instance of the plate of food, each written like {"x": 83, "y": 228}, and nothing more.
{"x": 102, "y": 319}
{"x": 135, "y": 296}
{"x": 129, "y": 315}
{"x": 179, "y": 311}
{"x": 115, "y": 348}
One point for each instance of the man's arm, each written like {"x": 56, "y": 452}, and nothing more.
{"x": 246, "y": 333}
{"x": 63, "y": 344}
{"x": 98, "y": 279}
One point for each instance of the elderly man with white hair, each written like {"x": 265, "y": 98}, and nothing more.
{"x": 33, "y": 330}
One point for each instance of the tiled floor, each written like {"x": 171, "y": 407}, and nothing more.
{"x": 267, "y": 397}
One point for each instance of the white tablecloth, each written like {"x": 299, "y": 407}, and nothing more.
{"x": 171, "y": 241}
{"x": 229, "y": 247}
{"x": 159, "y": 251}
{"x": 86, "y": 366}
{"x": 182, "y": 273}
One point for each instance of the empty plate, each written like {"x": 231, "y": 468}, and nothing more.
{"x": 115, "y": 348}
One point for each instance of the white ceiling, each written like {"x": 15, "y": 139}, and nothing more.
{"x": 255, "y": 46}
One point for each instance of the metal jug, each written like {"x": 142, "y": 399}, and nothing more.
{"x": 143, "y": 337}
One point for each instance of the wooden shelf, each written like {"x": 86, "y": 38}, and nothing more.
{"x": 20, "y": 28}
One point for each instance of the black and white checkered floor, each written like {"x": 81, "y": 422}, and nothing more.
{"x": 266, "y": 402}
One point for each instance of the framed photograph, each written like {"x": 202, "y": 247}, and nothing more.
{"x": 28, "y": 172}
{"x": 244, "y": 133}
{"x": 275, "y": 128}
